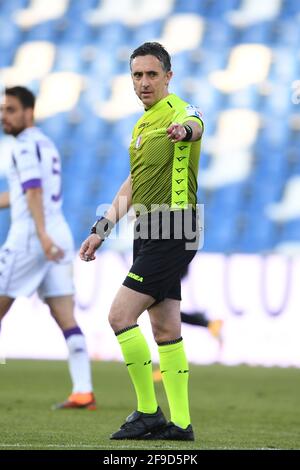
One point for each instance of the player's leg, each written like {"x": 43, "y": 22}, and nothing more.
{"x": 57, "y": 291}
{"x": 62, "y": 309}
{"x": 215, "y": 329}
{"x": 7, "y": 279}
{"x": 195, "y": 318}
{"x": 125, "y": 310}
{"x": 166, "y": 326}
{"x": 147, "y": 283}
{"x": 5, "y": 304}
{"x": 200, "y": 319}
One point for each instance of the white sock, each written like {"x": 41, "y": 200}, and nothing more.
{"x": 79, "y": 364}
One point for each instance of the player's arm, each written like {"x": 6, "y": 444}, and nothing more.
{"x": 189, "y": 131}
{"x": 34, "y": 198}
{"x": 4, "y": 200}
{"x": 102, "y": 228}
{"x": 197, "y": 129}
{"x": 27, "y": 161}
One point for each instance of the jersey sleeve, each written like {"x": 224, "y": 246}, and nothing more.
{"x": 191, "y": 113}
{"x": 27, "y": 161}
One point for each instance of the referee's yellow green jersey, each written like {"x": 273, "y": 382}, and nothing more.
{"x": 163, "y": 172}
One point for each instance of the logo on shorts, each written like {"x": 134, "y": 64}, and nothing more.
{"x": 135, "y": 277}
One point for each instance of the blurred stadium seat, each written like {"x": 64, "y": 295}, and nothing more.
{"x": 39, "y": 11}
{"x": 238, "y": 60}
{"x": 33, "y": 61}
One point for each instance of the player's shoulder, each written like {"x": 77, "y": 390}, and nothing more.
{"x": 34, "y": 137}
{"x": 193, "y": 111}
{"x": 29, "y": 142}
{"x": 24, "y": 143}
{"x": 187, "y": 108}
{"x": 28, "y": 136}
{"x": 174, "y": 101}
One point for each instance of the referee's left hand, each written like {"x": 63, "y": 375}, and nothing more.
{"x": 176, "y": 132}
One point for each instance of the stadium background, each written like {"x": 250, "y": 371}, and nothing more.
{"x": 238, "y": 60}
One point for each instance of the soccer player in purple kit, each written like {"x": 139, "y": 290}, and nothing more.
{"x": 38, "y": 252}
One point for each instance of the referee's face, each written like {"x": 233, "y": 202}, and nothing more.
{"x": 14, "y": 117}
{"x": 150, "y": 80}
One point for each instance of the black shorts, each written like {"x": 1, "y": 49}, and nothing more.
{"x": 159, "y": 261}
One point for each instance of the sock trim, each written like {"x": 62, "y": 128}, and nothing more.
{"x": 117, "y": 333}
{"x": 172, "y": 341}
{"x": 72, "y": 331}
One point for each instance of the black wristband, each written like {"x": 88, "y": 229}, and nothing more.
{"x": 102, "y": 227}
{"x": 189, "y": 133}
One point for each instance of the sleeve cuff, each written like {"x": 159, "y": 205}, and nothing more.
{"x": 30, "y": 184}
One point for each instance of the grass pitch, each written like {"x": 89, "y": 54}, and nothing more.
{"x": 232, "y": 408}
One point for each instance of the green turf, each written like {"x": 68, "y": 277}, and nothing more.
{"x": 232, "y": 408}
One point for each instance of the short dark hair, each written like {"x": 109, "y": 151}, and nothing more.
{"x": 25, "y": 96}
{"x": 156, "y": 49}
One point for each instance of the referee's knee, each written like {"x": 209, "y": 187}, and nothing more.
{"x": 114, "y": 320}
{"x": 119, "y": 319}
{"x": 164, "y": 334}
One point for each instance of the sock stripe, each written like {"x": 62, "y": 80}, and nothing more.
{"x": 186, "y": 371}
{"x": 117, "y": 333}
{"x": 172, "y": 341}
{"x": 146, "y": 363}
{"x": 72, "y": 331}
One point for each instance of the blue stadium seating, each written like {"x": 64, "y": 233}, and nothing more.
{"x": 259, "y": 235}
{"x": 94, "y": 151}
{"x": 55, "y": 126}
{"x": 258, "y": 33}
{"x": 45, "y": 31}
{"x": 8, "y": 8}
{"x": 193, "y": 6}
{"x": 10, "y": 37}
{"x": 67, "y": 58}
{"x": 218, "y": 35}
{"x": 146, "y": 32}
{"x": 290, "y": 9}
{"x": 290, "y": 231}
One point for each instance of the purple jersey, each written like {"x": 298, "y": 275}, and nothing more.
{"x": 35, "y": 163}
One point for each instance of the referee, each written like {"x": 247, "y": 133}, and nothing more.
{"x": 162, "y": 186}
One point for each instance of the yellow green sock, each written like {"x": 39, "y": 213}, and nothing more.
{"x": 136, "y": 354}
{"x": 175, "y": 375}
